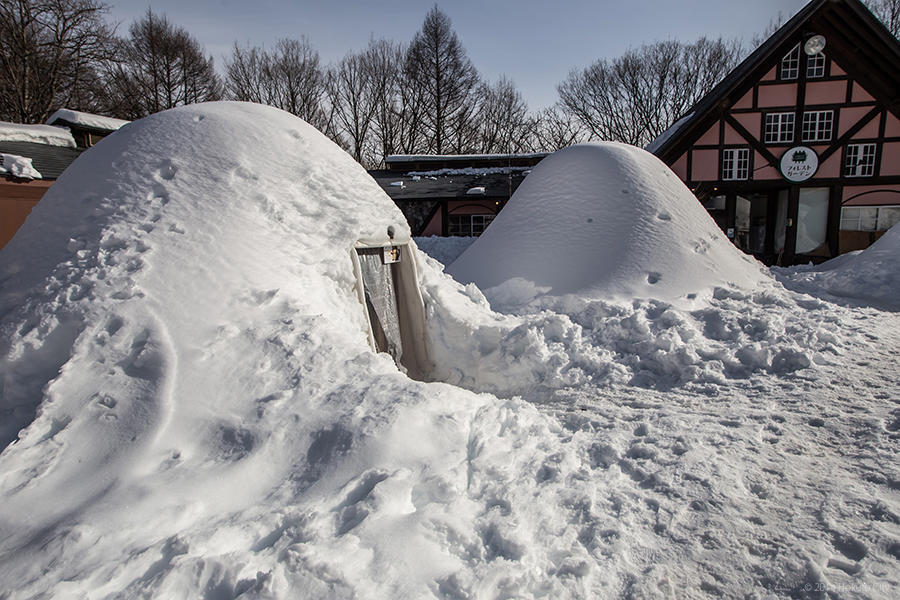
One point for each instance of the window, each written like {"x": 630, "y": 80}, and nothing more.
{"x": 869, "y": 218}
{"x": 790, "y": 64}
{"x": 468, "y": 225}
{"x": 860, "y": 160}
{"x": 815, "y": 66}
{"x": 779, "y": 128}
{"x": 817, "y": 125}
{"x": 735, "y": 164}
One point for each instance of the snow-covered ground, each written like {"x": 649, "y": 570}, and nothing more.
{"x": 189, "y": 406}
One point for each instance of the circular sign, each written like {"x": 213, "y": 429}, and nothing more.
{"x": 799, "y": 163}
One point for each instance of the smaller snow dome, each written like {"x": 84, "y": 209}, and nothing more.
{"x": 606, "y": 220}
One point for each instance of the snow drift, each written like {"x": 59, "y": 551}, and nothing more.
{"x": 868, "y": 277}
{"x": 605, "y": 220}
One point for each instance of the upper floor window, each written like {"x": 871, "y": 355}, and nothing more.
{"x": 860, "y": 160}
{"x": 779, "y": 128}
{"x": 735, "y": 164}
{"x": 817, "y": 125}
{"x": 790, "y": 64}
{"x": 815, "y": 66}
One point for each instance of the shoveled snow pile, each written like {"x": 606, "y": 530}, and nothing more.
{"x": 190, "y": 409}
{"x": 18, "y": 166}
{"x": 605, "y": 220}
{"x": 38, "y": 134}
{"x": 869, "y": 277}
{"x": 87, "y": 119}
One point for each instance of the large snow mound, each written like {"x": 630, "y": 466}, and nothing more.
{"x": 606, "y": 220}
{"x": 868, "y": 277}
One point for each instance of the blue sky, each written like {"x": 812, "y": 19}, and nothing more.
{"x": 535, "y": 43}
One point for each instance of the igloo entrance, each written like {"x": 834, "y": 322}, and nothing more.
{"x": 387, "y": 284}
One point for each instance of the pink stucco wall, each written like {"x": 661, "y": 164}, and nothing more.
{"x": 771, "y": 75}
{"x": 892, "y": 126}
{"x": 680, "y": 167}
{"x": 869, "y": 131}
{"x": 863, "y": 195}
{"x": 784, "y": 94}
{"x": 890, "y": 158}
{"x": 831, "y": 167}
{"x": 471, "y": 207}
{"x": 711, "y": 137}
{"x": 826, "y": 92}
{"x": 434, "y": 225}
{"x": 836, "y": 70}
{"x": 849, "y": 117}
{"x": 705, "y": 165}
{"x": 762, "y": 170}
{"x": 750, "y": 121}
{"x": 746, "y": 101}
{"x": 861, "y": 95}
{"x": 732, "y": 136}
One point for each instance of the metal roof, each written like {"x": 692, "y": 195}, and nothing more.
{"x": 50, "y": 161}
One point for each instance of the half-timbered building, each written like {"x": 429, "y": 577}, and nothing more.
{"x": 796, "y": 153}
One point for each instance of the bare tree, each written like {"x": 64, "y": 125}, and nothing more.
{"x": 556, "y": 128}
{"x": 289, "y": 77}
{"x": 888, "y": 11}
{"x": 504, "y": 126}
{"x": 354, "y": 94}
{"x": 637, "y": 96}
{"x": 437, "y": 64}
{"x": 49, "y": 54}
{"x": 160, "y": 66}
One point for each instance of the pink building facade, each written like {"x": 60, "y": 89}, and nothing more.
{"x": 796, "y": 154}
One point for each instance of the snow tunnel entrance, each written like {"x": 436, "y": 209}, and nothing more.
{"x": 388, "y": 288}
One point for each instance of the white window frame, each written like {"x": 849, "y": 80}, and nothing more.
{"x": 470, "y": 224}
{"x": 815, "y": 66}
{"x": 779, "y": 128}
{"x": 790, "y": 64}
{"x": 735, "y": 164}
{"x": 818, "y": 125}
{"x": 859, "y": 160}
{"x": 852, "y": 218}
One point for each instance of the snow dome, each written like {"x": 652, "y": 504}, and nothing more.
{"x": 609, "y": 220}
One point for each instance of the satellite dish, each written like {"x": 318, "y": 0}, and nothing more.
{"x": 814, "y": 45}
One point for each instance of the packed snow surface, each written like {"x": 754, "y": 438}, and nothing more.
{"x": 18, "y": 166}
{"x": 190, "y": 409}
{"x": 605, "y": 220}
{"x": 38, "y": 134}
{"x": 87, "y": 119}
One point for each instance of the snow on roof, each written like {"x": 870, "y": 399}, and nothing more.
{"x": 610, "y": 220}
{"x": 661, "y": 139}
{"x": 396, "y": 158}
{"x": 38, "y": 134}
{"x": 470, "y": 171}
{"x": 478, "y": 190}
{"x": 18, "y": 166}
{"x": 86, "y": 119}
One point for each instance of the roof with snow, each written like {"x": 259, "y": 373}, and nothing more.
{"x": 868, "y": 50}
{"x": 49, "y": 160}
{"x": 38, "y": 134}
{"x": 432, "y": 162}
{"x": 86, "y": 121}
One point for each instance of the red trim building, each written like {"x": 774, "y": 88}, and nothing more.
{"x": 796, "y": 153}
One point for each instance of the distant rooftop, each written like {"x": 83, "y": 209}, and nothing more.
{"x": 36, "y": 134}
{"x": 431, "y": 162}
{"x": 99, "y": 123}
